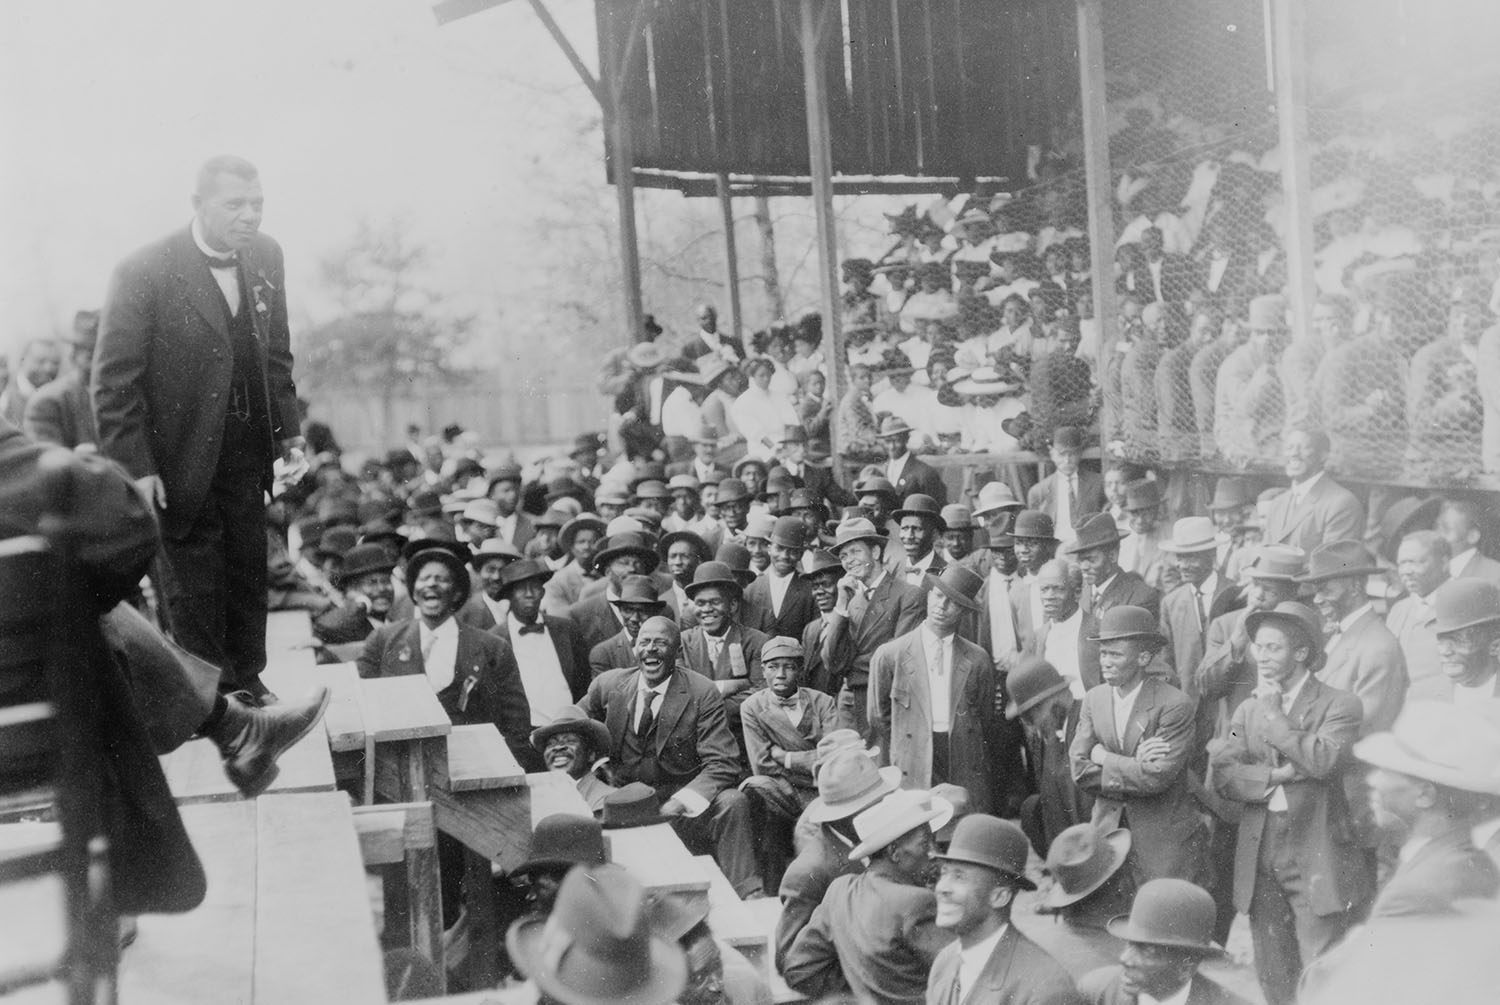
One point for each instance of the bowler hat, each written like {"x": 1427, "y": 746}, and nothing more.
{"x": 1280, "y": 562}
{"x": 923, "y": 506}
{"x": 1033, "y": 525}
{"x": 628, "y": 543}
{"x": 1439, "y": 742}
{"x": 848, "y": 782}
{"x": 814, "y": 562}
{"x": 1031, "y": 682}
{"x": 793, "y": 434}
{"x": 362, "y": 560}
{"x": 561, "y": 841}
{"x": 456, "y": 548}
{"x": 558, "y": 488}
{"x": 508, "y": 472}
{"x": 1000, "y": 537}
{"x": 713, "y": 574}
{"x": 898, "y": 814}
{"x": 1081, "y": 860}
{"x": 980, "y": 839}
{"x": 696, "y": 540}
{"x": 495, "y": 547}
{"x": 1268, "y": 313}
{"x": 632, "y": 805}
{"x": 425, "y": 502}
{"x": 956, "y": 517}
{"x": 894, "y": 425}
{"x": 336, "y": 542}
{"x": 1169, "y": 912}
{"x": 1231, "y": 493}
{"x": 781, "y": 647}
{"x": 583, "y": 521}
{"x": 639, "y": 590}
{"x": 996, "y": 496}
{"x": 381, "y": 532}
{"x": 1464, "y": 602}
{"x": 1067, "y": 438}
{"x": 570, "y": 719}
{"x": 1301, "y": 618}
{"x": 1338, "y": 559}
{"x": 1143, "y": 494}
{"x": 737, "y": 557}
{"x": 732, "y": 490}
{"x": 856, "y": 529}
{"x": 1098, "y": 531}
{"x": 789, "y": 532}
{"x": 446, "y": 558}
{"x": 1404, "y": 516}
{"x": 652, "y": 489}
{"x": 519, "y": 572}
{"x": 1192, "y": 534}
{"x": 803, "y": 499}
{"x": 877, "y": 485}
{"x": 597, "y": 946}
{"x": 1125, "y": 621}
{"x": 958, "y": 583}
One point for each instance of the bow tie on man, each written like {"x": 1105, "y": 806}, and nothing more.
{"x": 222, "y": 263}
{"x": 533, "y": 629}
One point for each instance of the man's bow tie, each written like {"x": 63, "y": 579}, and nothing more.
{"x": 535, "y": 629}
{"x": 222, "y": 263}
{"x": 788, "y": 702}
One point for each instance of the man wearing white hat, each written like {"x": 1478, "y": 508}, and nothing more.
{"x": 875, "y": 935}
{"x": 1200, "y": 597}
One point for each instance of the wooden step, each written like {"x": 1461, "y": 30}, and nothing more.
{"x": 478, "y": 758}
{"x": 34, "y": 926}
{"x": 344, "y": 721}
{"x": 195, "y": 771}
{"x": 497, "y": 823}
{"x": 656, "y": 857}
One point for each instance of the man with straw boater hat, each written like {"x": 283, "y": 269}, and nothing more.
{"x": 990, "y": 961}
{"x": 1168, "y": 935}
{"x": 875, "y": 934}
{"x": 932, "y": 697}
{"x": 1300, "y": 872}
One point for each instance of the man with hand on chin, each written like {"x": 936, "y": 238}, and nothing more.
{"x": 668, "y": 728}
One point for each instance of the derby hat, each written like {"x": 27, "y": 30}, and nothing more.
{"x": 1338, "y": 559}
{"x": 1125, "y": 621}
{"x": 705, "y": 554}
{"x": 923, "y": 506}
{"x": 1268, "y": 313}
{"x": 1301, "y": 618}
{"x": 381, "y": 532}
{"x": 613, "y": 493}
{"x": 1031, "y": 682}
{"x": 1192, "y": 534}
{"x": 1143, "y": 494}
{"x": 362, "y": 560}
{"x": 520, "y": 572}
{"x": 1231, "y": 493}
{"x": 793, "y": 434}
{"x": 1169, "y": 912}
{"x": 628, "y": 543}
{"x": 455, "y": 566}
{"x": 894, "y": 425}
{"x": 1464, "y": 602}
{"x": 492, "y": 548}
{"x": 570, "y": 719}
{"x": 507, "y": 472}
{"x": 983, "y": 840}
{"x": 481, "y": 511}
{"x": 1081, "y": 860}
{"x": 789, "y": 532}
{"x": 652, "y": 489}
{"x": 849, "y": 782}
{"x": 1404, "y": 516}
{"x": 958, "y": 583}
{"x": 684, "y": 483}
{"x": 597, "y": 946}
{"x": 781, "y": 647}
{"x": 713, "y": 574}
{"x": 956, "y": 517}
{"x": 895, "y": 816}
{"x": 732, "y": 490}
{"x": 1440, "y": 742}
{"x": 639, "y": 590}
{"x": 1034, "y": 525}
{"x": 803, "y": 499}
{"x": 818, "y": 561}
{"x": 453, "y": 546}
{"x": 1098, "y": 531}
{"x": 1280, "y": 562}
{"x": 994, "y": 496}
{"x": 632, "y": 805}
{"x": 737, "y": 557}
{"x": 561, "y": 841}
{"x": 565, "y": 488}
{"x": 425, "y": 502}
{"x": 856, "y": 529}
{"x": 336, "y": 542}
{"x": 583, "y": 521}
{"x": 877, "y": 485}
{"x": 759, "y": 527}
{"x": 1067, "y": 438}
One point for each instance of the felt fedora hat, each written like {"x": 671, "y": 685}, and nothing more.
{"x": 362, "y": 560}
{"x": 898, "y": 814}
{"x": 628, "y": 543}
{"x": 894, "y": 425}
{"x": 1192, "y": 534}
{"x": 632, "y": 805}
{"x": 570, "y": 719}
{"x": 446, "y": 558}
{"x": 877, "y": 485}
{"x": 492, "y": 548}
{"x": 1169, "y": 912}
{"x": 856, "y": 529}
{"x": 713, "y": 574}
{"x": 980, "y": 839}
{"x": 1098, "y": 531}
{"x": 994, "y": 496}
{"x": 759, "y": 527}
{"x": 958, "y": 583}
{"x": 705, "y": 554}
{"x": 1081, "y": 860}
{"x": 1125, "y": 621}
{"x": 1404, "y": 516}
{"x": 597, "y": 946}
{"x": 583, "y": 521}
{"x": 1067, "y": 438}
{"x": 957, "y": 517}
{"x": 789, "y": 532}
{"x": 818, "y": 561}
{"x": 1465, "y": 602}
{"x": 684, "y": 483}
{"x": 1231, "y": 493}
{"x": 639, "y": 590}
{"x": 1032, "y": 682}
{"x": 1280, "y": 562}
{"x": 519, "y": 572}
{"x": 732, "y": 490}
{"x": 481, "y": 511}
{"x": 563, "y": 840}
{"x": 1338, "y": 559}
{"x": 1033, "y": 525}
{"x": 804, "y": 499}
{"x": 1142, "y": 494}
{"x": 336, "y": 542}
{"x": 922, "y": 506}
{"x": 1300, "y": 618}
{"x": 848, "y": 783}
{"x": 737, "y": 557}
{"x": 1439, "y": 742}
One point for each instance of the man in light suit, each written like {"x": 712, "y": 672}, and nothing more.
{"x": 1299, "y": 873}
{"x": 668, "y": 729}
{"x": 1135, "y": 737}
{"x": 60, "y": 411}
{"x": 932, "y": 697}
{"x": 1105, "y": 585}
{"x": 1316, "y": 509}
{"x": 991, "y": 961}
{"x": 906, "y": 474}
{"x": 193, "y": 395}
{"x": 1461, "y": 522}
{"x": 783, "y": 724}
{"x": 1068, "y": 495}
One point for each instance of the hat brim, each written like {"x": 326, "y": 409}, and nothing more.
{"x": 693, "y": 589}
{"x": 461, "y": 581}
{"x": 1019, "y": 878}
{"x": 542, "y": 574}
{"x": 704, "y": 553}
{"x": 1173, "y": 548}
{"x": 942, "y": 525}
{"x": 596, "y": 731}
{"x": 1384, "y": 750}
{"x": 1120, "y": 929}
{"x": 967, "y": 604}
{"x": 899, "y": 371}
{"x": 1358, "y": 572}
{"x": 347, "y": 576}
{"x": 1118, "y": 842}
{"x": 936, "y": 818}
{"x": 625, "y": 825}
{"x": 572, "y": 527}
{"x": 608, "y": 555}
{"x": 821, "y": 811}
{"x": 1078, "y": 547}
{"x": 668, "y": 968}
{"x": 1014, "y": 504}
{"x": 1014, "y": 711}
{"x": 1157, "y": 637}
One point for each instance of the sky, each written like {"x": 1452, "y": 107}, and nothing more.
{"x": 351, "y": 109}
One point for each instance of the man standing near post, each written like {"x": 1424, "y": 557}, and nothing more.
{"x": 193, "y": 394}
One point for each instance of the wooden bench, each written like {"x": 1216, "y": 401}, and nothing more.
{"x": 195, "y": 771}
{"x": 731, "y": 919}
{"x": 767, "y": 912}
{"x": 657, "y": 858}
{"x": 289, "y": 639}
{"x": 399, "y": 840}
{"x": 478, "y": 758}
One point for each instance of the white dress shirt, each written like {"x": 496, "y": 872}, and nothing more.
{"x": 939, "y": 655}
{"x": 1178, "y": 997}
{"x": 1061, "y": 650}
{"x": 1205, "y": 599}
{"x": 778, "y": 585}
{"x": 1002, "y": 617}
{"x": 547, "y": 690}
{"x": 692, "y": 802}
{"x": 1299, "y": 490}
{"x": 971, "y": 961}
{"x": 499, "y": 609}
{"x": 916, "y": 573}
{"x": 1124, "y": 704}
{"x": 228, "y": 279}
{"x": 1346, "y": 623}
{"x": 505, "y": 528}
{"x": 1067, "y": 489}
{"x": 1277, "y": 802}
{"x": 439, "y": 652}
{"x": 894, "y": 468}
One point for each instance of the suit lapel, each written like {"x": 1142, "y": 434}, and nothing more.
{"x": 617, "y": 712}
{"x": 1104, "y": 715}
{"x": 961, "y": 670}
{"x": 408, "y": 656}
{"x": 198, "y": 282}
{"x": 1140, "y": 713}
{"x": 996, "y": 970}
{"x": 673, "y": 704}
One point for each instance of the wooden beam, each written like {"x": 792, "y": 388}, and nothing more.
{"x": 1096, "y": 169}
{"x": 555, "y": 30}
{"x": 479, "y": 759}
{"x": 386, "y": 832}
{"x": 731, "y": 254}
{"x": 1289, "y": 52}
{"x": 814, "y": 22}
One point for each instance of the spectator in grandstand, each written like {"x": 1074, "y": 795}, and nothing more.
{"x": 1422, "y": 563}
{"x": 705, "y": 464}
{"x": 933, "y": 300}
{"x": 1060, "y": 384}
{"x": 1249, "y": 406}
{"x": 1222, "y": 337}
{"x": 759, "y": 414}
{"x": 1462, "y": 523}
{"x": 1445, "y": 411}
{"x": 815, "y": 408}
{"x": 38, "y": 365}
{"x": 784, "y": 725}
{"x": 1138, "y": 429}
{"x": 578, "y": 540}
{"x": 1316, "y": 509}
{"x": 708, "y": 340}
{"x": 1360, "y": 395}
{"x": 906, "y": 473}
{"x": 859, "y": 434}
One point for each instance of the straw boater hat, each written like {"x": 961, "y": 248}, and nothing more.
{"x": 895, "y": 816}
{"x": 1280, "y": 562}
{"x": 995, "y": 496}
{"x": 1439, "y": 742}
{"x": 1192, "y": 534}
{"x": 1170, "y": 912}
{"x": 1081, "y": 860}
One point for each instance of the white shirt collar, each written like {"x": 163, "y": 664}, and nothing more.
{"x": 658, "y": 689}
{"x": 1301, "y": 489}
{"x": 1290, "y": 697}
{"x": 202, "y": 244}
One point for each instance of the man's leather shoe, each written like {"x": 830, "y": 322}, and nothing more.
{"x": 251, "y": 739}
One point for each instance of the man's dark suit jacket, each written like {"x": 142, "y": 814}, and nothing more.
{"x": 572, "y": 657}
{"x": 595, "y": 618}
{"x": 164, "y": 363}
{"x": 476, "y": 614}
{"x": 497, "y": 694}
{"x": 61, "y": 412}
{"x": 797, "y": 607}
{"x": 919, "y": 477}
{"x": 1445, "y": 869}
{"x": 611, "y": 654}
{"x": 820, "y": 482}
{"x": 894, "y": 609}
{"x": 696, "y": 347}
{"x": 694, "y": 748}
{"x": 1330, "y": 512}
{"x": 1186, "y": 638}
{"x": 1126, "y": 589}
{"x": 1091, "y": 500}
{"x": 1102, "y": 987}
{"x": 719, "y": 472}
{"x": 1018, "y": 972}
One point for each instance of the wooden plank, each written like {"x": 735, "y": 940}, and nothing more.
{"x": 411, "y": 770}
{"x": 553, "y": 792}
{"x": 656, "y": 856}
{"x": 195, "y": 771}
{"x": 314, "y": 935}
{"x": 402, "y": 708}
{"x": 767, "y": 911}
{"x": 286, "y": 631}
{"x": 176, "y": 957}
{"x": 495, "y": 823}
{"x": 387, "y": 831}
{"x": 728, "y": 916}
{"x": 478, "y": 758}
{"x": 306, "y": 767}
{"x": 344, "y": 721}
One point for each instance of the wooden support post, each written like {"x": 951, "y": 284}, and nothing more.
{"x": 1096, "y": 171}
{"x": 1289, "y": 53}
{"x": 814, "y": 23}
{"x": 731, "y": 253}
{"x": 630, "y": 256}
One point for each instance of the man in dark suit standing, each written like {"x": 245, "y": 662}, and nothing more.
{"x": 919, "y": 524}
{"x": 1105, "y": 585}
{"x": 1068, "y": 495}
{"x": 193, "y": 394}
{"x": 781, "y": 593}
{"x": 549, "y": 651}
{"x": 60, "y": 411}
{"x": 708, "y": 339}
{"x": 667, "y": 729}
{"x": 907, "y": 475}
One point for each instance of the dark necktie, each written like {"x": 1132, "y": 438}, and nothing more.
{"x": 535, "y": 629}
{"x": 222, "y": 263}
{"x": 648, "y": 718}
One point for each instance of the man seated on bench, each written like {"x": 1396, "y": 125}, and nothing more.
{"x": 157, "y": 695}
